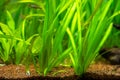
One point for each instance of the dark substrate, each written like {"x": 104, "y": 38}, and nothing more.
{"x": 97, "y": 71}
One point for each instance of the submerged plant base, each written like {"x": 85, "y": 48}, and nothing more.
{"x": 97, "y": 71}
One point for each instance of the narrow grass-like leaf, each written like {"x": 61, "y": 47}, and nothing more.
{"x": 27, "y": 17}
{"x": 10, "y": 21}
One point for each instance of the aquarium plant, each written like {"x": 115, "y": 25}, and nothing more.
{"x": 45, "y": 32}
{"x": 90, "y": 28}
{"x": 113, "y": 39}
{"x": 15, "y": 40}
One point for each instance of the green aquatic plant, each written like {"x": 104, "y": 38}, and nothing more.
{"x": 12, "y": 45}
{"x": 15, "y": 41}
{"x": 46, "y": 32}
{"x": 35, "y": 35}
{"x": 90, "y": 35}
{"x": 52, "y": 51}
{"x": 113, "y": 39}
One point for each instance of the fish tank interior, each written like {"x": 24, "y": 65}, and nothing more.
{"x": 59, "y": 39}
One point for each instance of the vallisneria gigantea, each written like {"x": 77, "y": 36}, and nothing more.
{"x": 91, "y": 35}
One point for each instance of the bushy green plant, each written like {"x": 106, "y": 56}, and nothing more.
{"x": 45, "y": 32}
{"x": 91, "y": 32}
{"x": 53, "y": 31}
{"x": 15, "y": 40}
{"x": 28, "y": 35}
